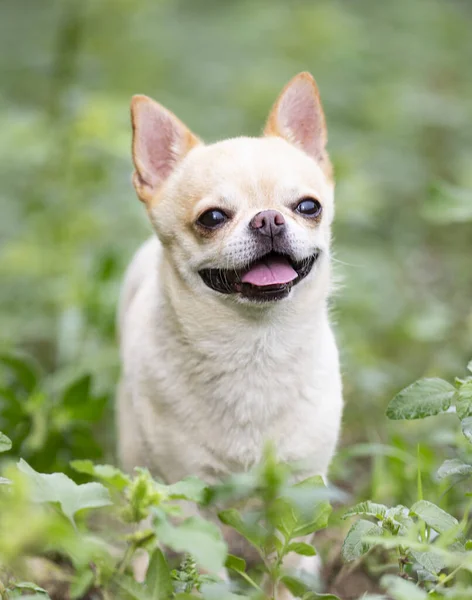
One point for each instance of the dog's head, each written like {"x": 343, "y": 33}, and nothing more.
{"x": 246, "y": 218}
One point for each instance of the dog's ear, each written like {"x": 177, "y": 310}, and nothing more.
{"x": 160, "y": 141}
{"x": 298, "y": 117}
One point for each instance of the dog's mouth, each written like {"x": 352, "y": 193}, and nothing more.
{"x": 270, "y": 277}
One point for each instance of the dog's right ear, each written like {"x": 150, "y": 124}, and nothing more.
{"x": 160, "y": 141}
{"x": 298, "y": 117}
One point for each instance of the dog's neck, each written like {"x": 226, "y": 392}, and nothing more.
{"x": 209, "y": 318}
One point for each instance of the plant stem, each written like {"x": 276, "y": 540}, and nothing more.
{"x": 448, "y": 577}
{"x": 130, "y": 550}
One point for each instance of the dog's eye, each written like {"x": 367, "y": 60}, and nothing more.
{"x": 212, "y": 218}
{"x": 309, "y": 207}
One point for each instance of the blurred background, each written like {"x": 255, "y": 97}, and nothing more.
{"x": 396, "y": 84}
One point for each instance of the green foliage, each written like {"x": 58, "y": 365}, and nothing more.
{"x": 421, "y": 399}
{"x": 355, "y": 544}
{"x": 107, "y": 473}
{"x": 5, "y": 442}
{"x": 275, "y": 514}
{"x": 49, "y": 422}
{"x": 396, "y": 84}
{"x": 429, "y": 546}
{"x": 454, "y": 467}
{"x": 433, "y": 516}
{"x": 432, "y": 546}
{"x": 57, "y": 487}
{"x": 197, "y": 537}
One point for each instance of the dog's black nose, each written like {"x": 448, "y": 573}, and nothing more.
{"x": 268, "y": 222}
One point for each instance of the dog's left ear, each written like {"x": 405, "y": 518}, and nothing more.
{"x": 298, "y": 117}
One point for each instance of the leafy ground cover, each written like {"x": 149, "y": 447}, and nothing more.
{"x": 62, "y": 539}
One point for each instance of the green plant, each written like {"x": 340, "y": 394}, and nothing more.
{"x": 98, "y": 558}
{"x": 428, "y": 548}
{"x": 49, "y": 421}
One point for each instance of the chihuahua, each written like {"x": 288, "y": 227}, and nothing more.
{"x": 224, "y": 323}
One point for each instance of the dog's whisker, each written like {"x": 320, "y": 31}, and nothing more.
{"x": 341, "y": 262}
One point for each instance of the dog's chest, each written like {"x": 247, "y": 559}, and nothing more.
{"x": 209, "y": 409}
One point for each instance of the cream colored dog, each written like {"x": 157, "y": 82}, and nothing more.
{"x": 225, "y": 335}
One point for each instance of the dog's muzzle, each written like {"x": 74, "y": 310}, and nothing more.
{"x": 268, "y": 278}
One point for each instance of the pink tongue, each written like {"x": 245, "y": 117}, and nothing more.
{"x": 270, "y": 271}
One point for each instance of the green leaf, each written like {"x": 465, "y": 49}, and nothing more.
{"x": 294, "y": 585}
{"x": 354, "y": 545}
{"x": 319, "y": 521}
{"x": 454, "y": 467}
{"x": 191, "y": 488}
{"x": 27, "y": 585}
{"x": 423, "y": 398}
{"x": 283, "y": 517}
{"x": 466, "y": 425}
{"x": 235, "y": 563}
{"x": 111, "y": 475}
{"x": 39, "y": 592}
{"x": 302, "y": 508}
{"x": 57, "y": 487}
{"x": 301, "y": 548}
{"x": 25, "y": 370}
{"x": 370, "y": 509}
{"x": 135, "y": 590}
{"x": 158, "y": 579}
{"x": 463, "y": 399}
{"x": 430, "y": 561}
{"x": 78, "y": 392}
{"x": 400, "y": 589}
{"x": 198, "y": 537}
{"x": 433, "y": 516}
{"x": 79, "y": 404}
{"x": 252, "y": 531}
{"x": 5, "y": 443}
